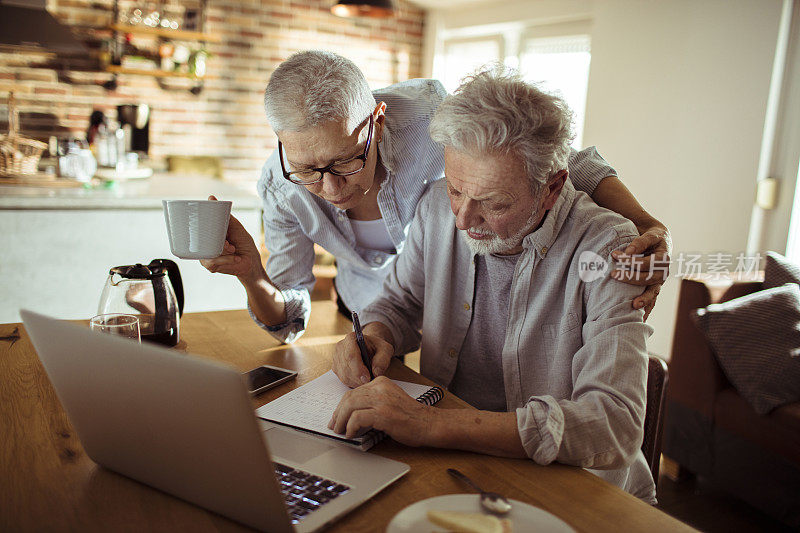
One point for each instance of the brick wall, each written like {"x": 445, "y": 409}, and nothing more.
{"x": 57, "y": 92}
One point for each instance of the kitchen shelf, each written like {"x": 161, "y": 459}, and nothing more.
{"x": 184, "y": 35}
{"x": 113, "y": 59}
{"x": 116, "y": 69}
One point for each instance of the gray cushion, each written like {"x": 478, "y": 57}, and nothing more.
{"x": 756, "y": 339}
{"x": 779, "y": 271}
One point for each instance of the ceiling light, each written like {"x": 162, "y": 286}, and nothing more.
{"x": 363, "y": 8}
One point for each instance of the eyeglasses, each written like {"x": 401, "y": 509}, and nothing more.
{"x": 308, "y": 176}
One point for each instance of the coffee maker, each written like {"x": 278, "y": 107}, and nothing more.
{"x": 153, "y": 293}
{"x": 134, "y": 119}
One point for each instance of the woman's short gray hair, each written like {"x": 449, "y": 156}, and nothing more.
{"x": 495, "y": 111}
{"x": 317, "y": 86}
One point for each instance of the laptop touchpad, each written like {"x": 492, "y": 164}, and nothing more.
{"x": 294, "y": 446}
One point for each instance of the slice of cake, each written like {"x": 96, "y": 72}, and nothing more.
{"x": 459, "y": 522}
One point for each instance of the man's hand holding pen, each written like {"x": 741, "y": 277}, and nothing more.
{"x": 347, "y": 360}
{"x": 380, "y": 403}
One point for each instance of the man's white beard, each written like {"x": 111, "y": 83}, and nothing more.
{"x": 496, "y": 245}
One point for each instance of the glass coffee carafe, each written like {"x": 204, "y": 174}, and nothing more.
{"x": 153, "y": 293}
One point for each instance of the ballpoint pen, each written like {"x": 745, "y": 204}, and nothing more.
{"x": 362, "y": 346}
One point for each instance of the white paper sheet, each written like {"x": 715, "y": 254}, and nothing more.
{"x": 311, "y": 406}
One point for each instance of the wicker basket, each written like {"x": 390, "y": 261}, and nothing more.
{"x": 18, "y": 154}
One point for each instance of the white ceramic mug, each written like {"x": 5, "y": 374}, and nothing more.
{"x": 197, "y": 228}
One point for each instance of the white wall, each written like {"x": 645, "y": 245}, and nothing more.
{"x": 676, "y": 102}
{"x": 677, "y": 99}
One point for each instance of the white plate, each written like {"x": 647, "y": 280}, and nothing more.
{"x": 524, "y": 517}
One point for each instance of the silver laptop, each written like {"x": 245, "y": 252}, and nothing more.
{"x": 185, "y": 425}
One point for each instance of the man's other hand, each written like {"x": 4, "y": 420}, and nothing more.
{"x": 347, "y": 363}
{"x": 384, "y": 406}
{"x": 239, "y": 256}
{"x": 645, "y": 262}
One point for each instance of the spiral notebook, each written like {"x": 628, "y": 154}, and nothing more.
{"x": 310, "y": 407}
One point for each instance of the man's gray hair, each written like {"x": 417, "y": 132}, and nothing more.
{"x": 317, "y": 86}
{"x": 495, "y": 111}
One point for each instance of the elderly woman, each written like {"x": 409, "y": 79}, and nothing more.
{"x": 350, "y": 168}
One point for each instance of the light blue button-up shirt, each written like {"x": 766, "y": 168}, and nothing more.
{"x": 295, "y": 219}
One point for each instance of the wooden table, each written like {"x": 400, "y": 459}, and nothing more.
{"x": 48, "y": 483}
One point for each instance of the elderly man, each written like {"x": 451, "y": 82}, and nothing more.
{"x": 350, "y": 168}
{"x": 554, "y": 359}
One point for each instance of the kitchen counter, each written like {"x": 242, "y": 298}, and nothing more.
{"x": 59, "y": 243}
{"x": 130, "y": 194}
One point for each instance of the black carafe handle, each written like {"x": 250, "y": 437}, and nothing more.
{"x": 174, "y": 276}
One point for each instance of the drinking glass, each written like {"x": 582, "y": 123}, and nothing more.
{"x": 117, "y": 324}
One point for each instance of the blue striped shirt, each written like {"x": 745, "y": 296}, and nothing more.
{"x": 295, "y": 219}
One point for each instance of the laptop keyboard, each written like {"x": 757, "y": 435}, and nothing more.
{"x": 304, "y": 492}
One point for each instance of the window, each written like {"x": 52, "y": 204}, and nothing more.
{"x": 463, "y": 56}
{"x": 793, "y": 244}
{"x": 561, "y": 65}
{"x": 556, "y": 56}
